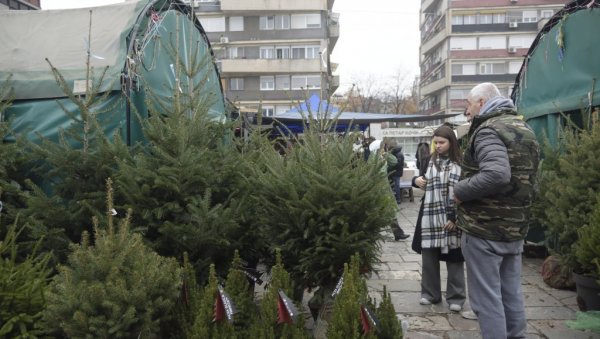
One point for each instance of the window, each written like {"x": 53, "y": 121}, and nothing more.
{"x": 457, "y": 20}
{"x": 466, "y": 43}
{"x": 282, "y": 21}
{"x": 236, "y": 52}
{"x": 459, "y": 94}
{"x": 236, "y": 23}
{"x": 282, "y": 109}
{"x": 306, "y": 81}
{"x": 300, "y": 21}
{"x": 282, "y": 82}
{"x": 485, "y": 18}
{"x": 267, "y": 53}
{"x": 521, "y": 41}
{"x": 305, "y": 52}
{"x": 213, "y": 24}
{"x": 547, "y": 13}
{"x": 492, "y": 42}
{"x": 463, "y": 69}
{"x": 267, "y": 83}
{"x": 236, "y": 84}
{"x": 530, "y": 16}
{"x": 282, "y": 52}
{"x": 267, "y": 22}
{"x": 492, "y": 68}
{"x": 500, "y": 18}
{"x": 514, "y": 67}
{"x": 268, "y": 111}
{"x": 470, "y": 19}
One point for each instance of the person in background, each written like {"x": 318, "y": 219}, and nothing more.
{"x": 391, "y": 163}
{"x": 495, "y": 196}
{"x": 397, "y": 173}
{"x": 440, "y": 238}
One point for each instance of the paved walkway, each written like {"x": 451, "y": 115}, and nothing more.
{"x": 546, "y": 308}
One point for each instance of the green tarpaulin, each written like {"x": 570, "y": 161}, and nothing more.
{"x": 561, "y": 70}
{"x": 136, "y": 44}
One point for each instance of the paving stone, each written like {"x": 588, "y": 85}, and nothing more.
{"x": 390, "y": 257}
{"x": 463, "y": 335}
{"x": 426, "y": 322}
{"x": 554, "y": 313}
{"x": 423, "y": 335}
{"x": 411, "y": 258}
{"x": 404, "y": 266}
{"x": 461, "y": 324}
{"x": 395, "y": 285}
{"x": 410, "y": 275}
{"x": 408, "y": 302}
{"x": 540, "y": 298}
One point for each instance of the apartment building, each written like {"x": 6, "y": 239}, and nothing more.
{"x": 272, "y": 53}
{"x": 19, "y": 5}
{"x": 466, "y": 42}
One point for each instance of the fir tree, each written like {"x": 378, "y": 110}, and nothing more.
{"x": 320, "y": 203}
{"x": 114, "y": 288}
{"x": 238, "y": 288}
{"x": 22, "y": 287}
{"x": 13, "y": 165}
{"x": 345, "y": 322}
{"x": 204, "y": 325}
{"x": 389, "y": 325}
{"x": 267, "y": 325}
{"x": 587, "y": 248}
{"x": 567, "y": 191}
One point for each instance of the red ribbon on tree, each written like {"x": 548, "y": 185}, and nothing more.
{"x": 368, "y": 320}
{"x": 286, "y": 311}
{"x": 224, "y": 307}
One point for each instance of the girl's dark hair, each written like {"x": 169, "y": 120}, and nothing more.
{"x": 454, "y": 151}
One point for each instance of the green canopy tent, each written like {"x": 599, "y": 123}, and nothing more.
{"x": 561, "y": 71}
{"x": 142, "y": 46}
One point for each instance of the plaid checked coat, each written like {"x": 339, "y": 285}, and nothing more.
{"x": 439, "y": 206}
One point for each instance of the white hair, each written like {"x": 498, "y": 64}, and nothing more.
{"x": 484, "y": 91}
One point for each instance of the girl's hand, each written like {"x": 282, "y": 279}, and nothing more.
{"x": 421, "y": 182}
{"x": 450, "y": 226}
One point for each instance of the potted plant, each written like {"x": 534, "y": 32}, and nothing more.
{"x": 587, "y": 271}
{"x": 566, "y": 200}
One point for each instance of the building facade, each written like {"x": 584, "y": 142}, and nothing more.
{"x": 272, "y": 53}
{"x": 466, "y": 42}
{"x": 19, "y": 5}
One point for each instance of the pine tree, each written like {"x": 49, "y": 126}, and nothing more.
{"x": 320, "y": 204}
{"x": 567, "y": 191}
{"x": 185, "y": 185}
{"x": 238, "y": 288}
{"x": 345, "y": 322}
{"x": 71, "y": 172}
{"x": 114, "y": 288}
{"x": 389, "y": 325}
{"x": 13, "y": 165}
{"x": 22, "y": 287}
{"x": 267, "y": 325}
{"x": 587, "y": 248}
{"x": 204, "y": 325}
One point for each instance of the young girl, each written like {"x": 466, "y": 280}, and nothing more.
{"x": 440, "y": 238}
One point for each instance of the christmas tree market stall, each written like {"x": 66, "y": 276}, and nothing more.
{"x": 561, "y": 70}
{"x": 117, "y": 53}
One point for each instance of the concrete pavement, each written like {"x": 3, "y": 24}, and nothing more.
{"x": 546, "y": 308}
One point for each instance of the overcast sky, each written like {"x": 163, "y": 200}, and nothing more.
{"x": 378, "y": 38}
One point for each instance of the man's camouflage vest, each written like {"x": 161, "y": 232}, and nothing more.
{"x": 503, "y": 216}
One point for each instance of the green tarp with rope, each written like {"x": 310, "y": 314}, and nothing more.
{"x": 560, "y": 75}
{"x": 140, "y": 46}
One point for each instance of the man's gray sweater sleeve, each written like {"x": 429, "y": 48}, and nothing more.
{"x": 494, "y": 168}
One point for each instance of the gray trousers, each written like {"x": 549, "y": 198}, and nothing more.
{"x": 494, "y": 278}
{"x": 430, "y": 281}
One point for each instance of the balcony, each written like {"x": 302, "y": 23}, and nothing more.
{"x": 334, "y": 29}
{"x": 433, "y": 86}
{"x": 274, "y": 5}
{"x": 271, "y": 66}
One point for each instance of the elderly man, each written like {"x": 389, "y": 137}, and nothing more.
{"x": 495, "y": 195}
